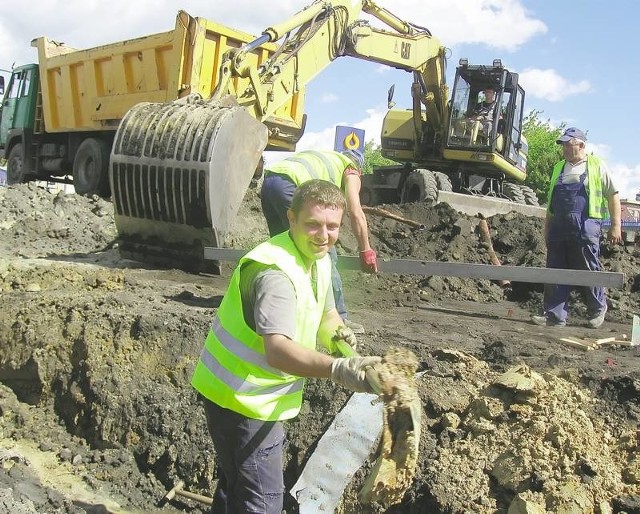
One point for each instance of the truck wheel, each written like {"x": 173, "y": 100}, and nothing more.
{"x": 91, "y": 168}
{"x": 443, "y": 180}
{"x": 421, "y": 185}
{"x": 513, "y": 192}
{"x": 16, "y": 170}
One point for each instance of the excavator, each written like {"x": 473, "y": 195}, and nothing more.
{"x": 178, "y": 170}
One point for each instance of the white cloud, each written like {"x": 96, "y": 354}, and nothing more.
{"x": 329, "y": 98}
{"x": 550, "y": 85}
{"x": 383, "y": 69}
{"x": 324, "y": 139}
{"x": 501, "y": 24}
{"x": 627, "y": 179}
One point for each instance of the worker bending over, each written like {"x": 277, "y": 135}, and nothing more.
{"x": 342, "y": 169}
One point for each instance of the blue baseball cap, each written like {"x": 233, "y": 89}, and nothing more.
{"x": 571, "y": 133}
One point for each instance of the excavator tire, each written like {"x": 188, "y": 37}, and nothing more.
{"x": 530, "y": 196}
{"x": 443, "y": 180}
{"x": 178, "y": 173}
{"x": 513, "y": 192}
{"x": 420, "y": 186}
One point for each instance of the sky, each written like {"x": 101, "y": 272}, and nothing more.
{"x": 574, "y": 58}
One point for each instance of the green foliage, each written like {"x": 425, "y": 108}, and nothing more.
{"x": 373, "y": 157}
{"x": 543, "y": 152}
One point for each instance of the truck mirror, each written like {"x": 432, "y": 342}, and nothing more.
{"x": 390, "y": 102}
{"x": 1, "y": 85}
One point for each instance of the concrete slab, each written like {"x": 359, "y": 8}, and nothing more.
{"x": 487, "y": 206}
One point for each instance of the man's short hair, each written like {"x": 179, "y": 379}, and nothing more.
{"x": 319, "y": 192}
{"x": 571, "y": 133}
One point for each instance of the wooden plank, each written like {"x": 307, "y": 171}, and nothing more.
{"x": 605, "y": 340}
{"x": 576, "y": 343}
{"x": 463, "y": 270}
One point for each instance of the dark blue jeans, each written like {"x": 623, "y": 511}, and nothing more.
{"x": 249, "y": 453}
{"x": 275, "y": 198}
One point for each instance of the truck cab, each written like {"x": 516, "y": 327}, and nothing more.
{"x": 18, "y": 103}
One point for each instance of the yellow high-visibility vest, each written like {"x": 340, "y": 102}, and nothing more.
{"x": 232, "y": 370}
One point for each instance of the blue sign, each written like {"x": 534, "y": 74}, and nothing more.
{"x": 349, "y": 138}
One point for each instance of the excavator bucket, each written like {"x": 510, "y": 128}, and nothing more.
{"x": 178, "y": 174}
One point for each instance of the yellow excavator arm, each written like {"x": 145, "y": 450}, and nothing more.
{"x": 324, "y": 31}
{"x": 179, "y": 170}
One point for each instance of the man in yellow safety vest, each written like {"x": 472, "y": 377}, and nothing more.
{"x": 262, "y": 343}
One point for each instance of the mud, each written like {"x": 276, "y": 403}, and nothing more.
{"x": 96, "y": 352}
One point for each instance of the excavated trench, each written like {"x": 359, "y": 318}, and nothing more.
{"x": 96, "y": 354}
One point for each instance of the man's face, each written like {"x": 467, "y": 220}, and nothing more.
{"x": 489, "y": 95}
{"x": 315, "y": 230}
{"x": 573, "y": 150}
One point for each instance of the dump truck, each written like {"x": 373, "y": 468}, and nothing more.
{"x": 59, "y": 117}
{"x": 180, "y": 120}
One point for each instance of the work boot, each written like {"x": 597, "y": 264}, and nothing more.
{"x": 356, "y": 328}
{"x": 543, "y": 321}
{"x": 599, "y": 319}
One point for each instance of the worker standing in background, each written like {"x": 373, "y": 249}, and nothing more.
{"x": 580, "y": 193}
{"x": 262, "y": 341}
{"x": 344, "y": 169}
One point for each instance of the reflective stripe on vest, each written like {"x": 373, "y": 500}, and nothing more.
{"x": 236, "y": 383}
{"x": 232, "y": 370}
{"x": 597, "y": 203}
{"x": 313, "y": 164}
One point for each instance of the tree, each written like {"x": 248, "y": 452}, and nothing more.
{"x": 543, "y": 152}
{"x": 373, "y": 157}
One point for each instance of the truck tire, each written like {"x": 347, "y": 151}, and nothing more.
{"x": 530, "y": 196}
{"x": 443, "y": 180}
{"x": 16, "y": 170}
{"x": 513, "y": 192}
{"x": 91, "y": 168}
{"x": 420, "y": 186}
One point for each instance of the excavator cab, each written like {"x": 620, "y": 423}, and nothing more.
{"x": 486, "y": 116}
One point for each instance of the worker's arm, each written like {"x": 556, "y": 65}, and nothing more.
{"x": 368, "y": 259}
{"x": 291, "y": 357}
{"x": 331, "y": 322}
{"x": 547, "y": 220}
{"x": 615, "y": 211}
{"x": 353, "y": 183}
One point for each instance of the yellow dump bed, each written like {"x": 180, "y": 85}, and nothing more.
{"x": 92, "y": 89}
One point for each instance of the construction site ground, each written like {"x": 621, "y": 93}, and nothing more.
{"x": 96, "y": 353}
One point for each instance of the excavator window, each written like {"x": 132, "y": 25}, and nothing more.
{"x": 467, "y": 127}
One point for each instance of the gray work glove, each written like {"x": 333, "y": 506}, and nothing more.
{"x": 351, "y": 373}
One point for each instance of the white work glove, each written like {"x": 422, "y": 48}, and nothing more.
{"x": 352, "y": 373}
{"x": 344, "y": 333}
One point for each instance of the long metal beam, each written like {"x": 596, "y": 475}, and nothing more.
{"x": 462, "y": 270}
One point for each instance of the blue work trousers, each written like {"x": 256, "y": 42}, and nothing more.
{"x": 573, "y": 242}
{"x": 275, "y": 198}
{"x": 249, "y": 453}
{"x": 579, "y": 255}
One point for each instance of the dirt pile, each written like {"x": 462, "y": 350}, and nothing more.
{"x": 454, "y": 237}
{"x": 96, "y": 352}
